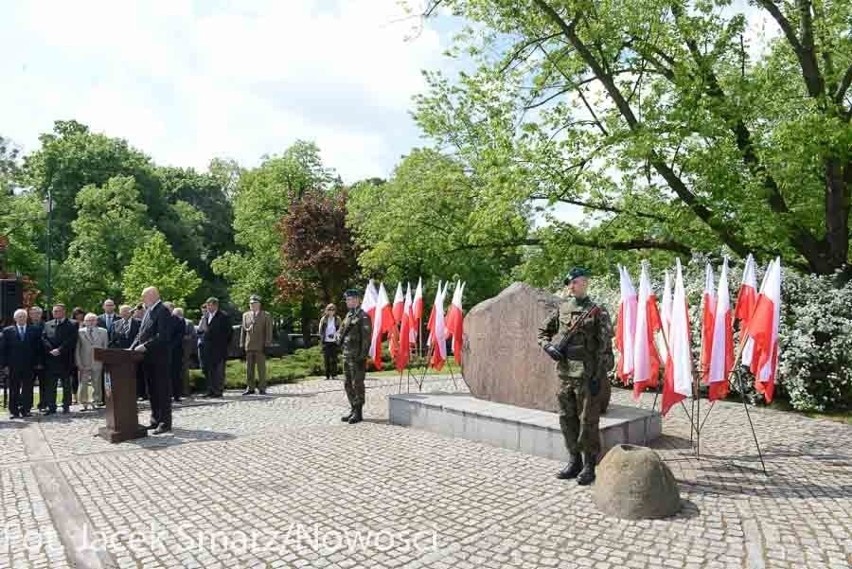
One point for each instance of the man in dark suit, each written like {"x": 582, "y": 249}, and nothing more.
{"x": 217, "y": 331}
{"x": 124, "y": 330}
{"x": 60, "y": 341}
{"x": 176, "y": 352}
{"x": 37, "y": 323}
{"x": 21, "y": 350}
{"x": 109, "y": 318}
{"x": 152, "y": 340}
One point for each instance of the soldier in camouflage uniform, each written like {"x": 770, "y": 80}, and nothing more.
{"x": 583, "y": 352}
{"x": 354, "y": 337}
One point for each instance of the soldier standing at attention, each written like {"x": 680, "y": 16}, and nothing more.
{"x": 354, "y": 337}
{"x": 583, "y": 352}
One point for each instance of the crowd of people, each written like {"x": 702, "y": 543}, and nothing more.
{"x": 60, "y": 353}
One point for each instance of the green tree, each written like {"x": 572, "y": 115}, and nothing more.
{"x": 261, "y": 199}
{"x": 111, "y": 221}
{"x": 21, "y": 219}
{"x": 154, "y": 264}
{"x": 431, "y": 220}
{"x": 655, "y": 117}
{"x": 71, "y": 158}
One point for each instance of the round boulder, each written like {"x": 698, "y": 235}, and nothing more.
{"x": 634, "y": 483}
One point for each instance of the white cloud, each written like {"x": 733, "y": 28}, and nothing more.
{"x": 187, "y": 81}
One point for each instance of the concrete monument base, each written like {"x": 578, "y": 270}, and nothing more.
{"x": 529, "y": 431}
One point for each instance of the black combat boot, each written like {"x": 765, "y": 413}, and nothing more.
{"x": 346, "y": 418}
{"x": 572, "y": 469}
{"x": 587, "y": 475}
{"x": 356, "y": 415}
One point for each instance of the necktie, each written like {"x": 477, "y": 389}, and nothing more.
{"x": 21, "y": 333}
{"x": 91, "y": 335}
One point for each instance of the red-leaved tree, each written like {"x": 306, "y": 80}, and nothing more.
{"x": 318, "y": 254}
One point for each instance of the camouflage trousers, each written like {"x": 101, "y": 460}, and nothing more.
{"x": 355, "y": 370}
{"x": 579, "y": 414}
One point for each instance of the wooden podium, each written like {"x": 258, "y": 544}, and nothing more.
{"x": 122, "y": 414}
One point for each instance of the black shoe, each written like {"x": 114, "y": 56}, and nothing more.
{"x": 572, "y": 469}
{"x": 346, "y": 418}
{"x": 161, "y": 428}
{"x": 248, "y": 392}
{"x": 151, "y": 426}
{"x": 587, "y": 475}
{"x": 50, "y": 411}
{"x": 262, "y": 392}
{"x": 178, "y": 399}
{"x": 26, "y": 414}
{"x": 14, "y": 416}
{"x": 65, "y": 410}
{"x": 356, "y": 416}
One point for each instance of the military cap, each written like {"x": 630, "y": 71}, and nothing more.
{"x": 254, "y": 298}
{"x": 576, "y": 272}
{"x": 352, "y": 293}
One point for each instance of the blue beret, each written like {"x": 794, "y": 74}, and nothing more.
{"x": 576, "y": 272}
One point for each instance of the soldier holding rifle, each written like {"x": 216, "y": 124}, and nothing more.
{"x": 578, "y": 336}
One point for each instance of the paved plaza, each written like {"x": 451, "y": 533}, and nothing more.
{"x": 279, "y": 481}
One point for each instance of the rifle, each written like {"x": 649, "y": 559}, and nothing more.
{"x": 574, "y": 353}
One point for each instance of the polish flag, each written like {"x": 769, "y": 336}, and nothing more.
{"x": 437, "y": 331}
{"x": 417, "y": 303}
{"x": 412, "y": 327}
{"x": 708, "y": 310}
{"x": 722, "y": 346}
{"x": 398, "y": 302}
{"x": 368, "y": 303}
{"x": 430, "y": 324}
{"x": 746, "y": 356}
{"x": 667, "y": 306}
{"x": 382, "y": 324}
{"x": 747, "y": 295}
{"x": 455, "y": 322}
{"x": 404, "y": 353}
{"x": 646, "y": 363}
{"x": 625, "y": 326}
{"x": 665, "y": 320}
{"x": 763, "y": 331}
{"x": 677, "y": 381}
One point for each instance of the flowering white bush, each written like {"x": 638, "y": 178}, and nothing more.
{"x": 815, "y": 336}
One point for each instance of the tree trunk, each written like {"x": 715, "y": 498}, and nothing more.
{"x": 306, "y": 317}
{"x": 838, "y": 180}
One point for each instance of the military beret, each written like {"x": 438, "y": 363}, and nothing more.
{"x": 254, "y": 298}
{"x": 352, "y": 293}
{"x": 576, "y": 272}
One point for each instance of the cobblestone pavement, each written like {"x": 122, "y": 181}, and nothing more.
{"x": 279, "y": 481}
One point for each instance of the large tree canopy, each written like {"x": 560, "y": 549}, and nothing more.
{"x": 657, "y": 116}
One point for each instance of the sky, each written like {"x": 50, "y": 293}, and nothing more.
{"x": 186, "y": 81}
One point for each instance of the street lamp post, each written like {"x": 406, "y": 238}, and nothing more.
{"x": 49, "y": 208}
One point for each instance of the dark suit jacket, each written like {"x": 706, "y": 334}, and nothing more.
{"x": 62, "y": 336}
{"x": 155, "y": 332}
{"x": 217, "y": 336}
{"x": 21, "y": 355}
{"x": 103, "y": 324}
{"x": 178, "y": 330}
{"x": 123, "y": 334}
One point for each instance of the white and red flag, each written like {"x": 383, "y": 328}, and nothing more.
{"x": 665, "y": 318}
{"x": 625, "y": 327}
{"x": 708, "y": 309}
{"x": 368, "y": 303}
{"x": 417, "y": 303}
{"x": 677, "y": 380}
{"x": 403, "y": 355}
{"x": 398, "y": 304}
{"x": 746, "y": 302}
{"x": 646, "y": 363}
{"x": 437, "y": 331}
{"x": 455, "y": 321}
{"x": 763, "y": 331}
{"x": 382, "y": 324}
{"x": 722, "y": 343}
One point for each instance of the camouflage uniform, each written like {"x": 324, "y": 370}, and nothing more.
{"x": 581, "y": 394}
{"x": 355, "y": 335}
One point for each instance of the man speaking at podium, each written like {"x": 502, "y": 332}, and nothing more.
{"x": 152, "y": 340}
